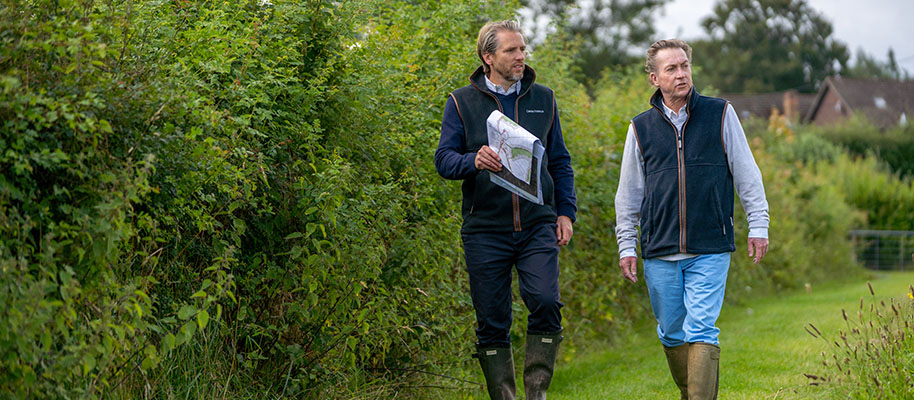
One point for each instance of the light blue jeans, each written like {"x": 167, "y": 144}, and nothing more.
{"x": 686, "y": 297}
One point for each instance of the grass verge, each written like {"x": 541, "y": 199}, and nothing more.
{"x": 764, "y": 348}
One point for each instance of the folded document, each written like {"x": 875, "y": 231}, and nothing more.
{"x": 521, "y": 157}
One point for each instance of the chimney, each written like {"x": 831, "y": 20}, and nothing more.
{"x": 791, "y": 106}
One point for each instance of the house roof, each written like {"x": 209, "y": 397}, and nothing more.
{"x": 760, "y": 105}
{"x": 881, "y": 101}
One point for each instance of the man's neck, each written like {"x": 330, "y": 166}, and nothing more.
{"x": 674, "y": 104}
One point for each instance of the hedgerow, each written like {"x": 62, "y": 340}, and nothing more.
{"x": 250, "y": 174}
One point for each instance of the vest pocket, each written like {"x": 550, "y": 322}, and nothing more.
{"x": 646, "y": 216}
{"x": 719, "y": 211}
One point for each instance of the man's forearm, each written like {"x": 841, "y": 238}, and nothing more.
{"x": 452, "y": 161}
{"x": 629, "y": 196}
{"x": 747, "y": 178}
{"x": 561, "y": 171}
{"x": 453, "y": 165}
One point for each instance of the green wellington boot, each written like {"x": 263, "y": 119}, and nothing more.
{"x": 539, "y": 363}
{"x": 703, "y": 371}
{"x": 498, "y": 367}
{"x": 678, "y": 359}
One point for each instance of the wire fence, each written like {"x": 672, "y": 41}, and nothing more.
{"x": 884, "y": 250}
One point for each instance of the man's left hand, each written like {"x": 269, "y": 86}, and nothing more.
{"x": 757, "y": 248}
{"x": 564, "y": 230}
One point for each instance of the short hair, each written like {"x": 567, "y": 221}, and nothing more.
{"x": 651, "y": 64}
{"x": 488, "y": 38}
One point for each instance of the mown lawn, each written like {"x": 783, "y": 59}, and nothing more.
{"x": 764, "y": 349}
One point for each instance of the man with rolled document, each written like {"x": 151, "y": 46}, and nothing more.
{"x": 501, "y": 229}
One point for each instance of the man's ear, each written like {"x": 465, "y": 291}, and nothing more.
{"x": 654, "y": 80}
{"x": 487, "y": 57}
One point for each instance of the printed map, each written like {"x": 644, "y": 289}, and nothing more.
{"x": 521, "y": 156}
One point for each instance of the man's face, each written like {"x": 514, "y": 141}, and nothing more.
{"x": 507, "y": 63}
{"x": 673, "y": 75}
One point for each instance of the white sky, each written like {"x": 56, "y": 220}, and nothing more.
{"x": 874, "y": 25}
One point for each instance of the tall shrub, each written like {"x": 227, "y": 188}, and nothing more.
{"x": 249, "y": 177}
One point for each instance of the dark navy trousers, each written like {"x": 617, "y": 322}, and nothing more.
{"x": 490, "y": 258}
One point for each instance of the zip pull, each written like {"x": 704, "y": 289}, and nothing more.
{"x": 679, "y": 140}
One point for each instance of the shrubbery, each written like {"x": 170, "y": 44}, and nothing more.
{"x": 893, "y": 146}
{"x": 243, "y": 190}
{"x": 863, "y": 179}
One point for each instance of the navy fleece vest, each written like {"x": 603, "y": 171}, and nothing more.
{"x": 487, "y": 207}
{"x": 688, "y": 193}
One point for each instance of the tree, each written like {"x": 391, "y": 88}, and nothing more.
{"x": 768, "y": 45}
{"x": 868, "y": 67}
{"x": 606, "y": 30}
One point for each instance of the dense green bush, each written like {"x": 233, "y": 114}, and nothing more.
{"x": 893, "y": 146}
{"x": 251, "y": 179}
{"x": 862, "y": 178}
{"x": 887, "y": 200}
{"x": 806, "y": 148}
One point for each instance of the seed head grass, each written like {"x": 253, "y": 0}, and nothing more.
{"x": 873, "y": 356}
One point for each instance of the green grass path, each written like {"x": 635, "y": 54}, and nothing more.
{"x": 764, "y": 348}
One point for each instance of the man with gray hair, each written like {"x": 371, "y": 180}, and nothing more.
{"x": 502, "y": 230}
{"x": 682, "y": 160}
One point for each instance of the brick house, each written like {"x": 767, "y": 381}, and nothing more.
{"x": 885, "y": 103}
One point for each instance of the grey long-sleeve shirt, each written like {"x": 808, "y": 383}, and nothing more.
{"x": 747, "y": 180}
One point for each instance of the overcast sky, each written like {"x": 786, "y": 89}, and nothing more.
{"x": 874, "y": 25}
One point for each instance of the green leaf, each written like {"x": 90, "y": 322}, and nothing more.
{"x": 294, "y": 235}
{"x": 104, "y": 126}
{"x": 149, "y": 363}
{"x": 202, "y": 318}
{"x": 188, "y": 330}
{"x": 168, "y": 343}
{"x": 186, "y": 312}
{"x": 88, "y": 363}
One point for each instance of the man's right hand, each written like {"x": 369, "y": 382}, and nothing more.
{"x": 486, "y": 158}
{"x": 629, "y": 267}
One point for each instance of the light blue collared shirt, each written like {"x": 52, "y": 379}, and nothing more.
{"x": 515, "y": 88}
{"x": 676, "y": 119}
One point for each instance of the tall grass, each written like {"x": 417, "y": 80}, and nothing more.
{"x": 887, "y": 199}
{"x": 873, "y": 356}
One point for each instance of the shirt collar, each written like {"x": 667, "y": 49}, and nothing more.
{"x": 515, "y": 88}
{"x": 671, "y": 115}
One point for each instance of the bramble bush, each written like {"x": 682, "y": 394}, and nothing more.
{"x": 240, "y": 191}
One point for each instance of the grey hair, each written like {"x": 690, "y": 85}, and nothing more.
{"x": 488, "y": 38}
{"x": 651, "y": 64}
